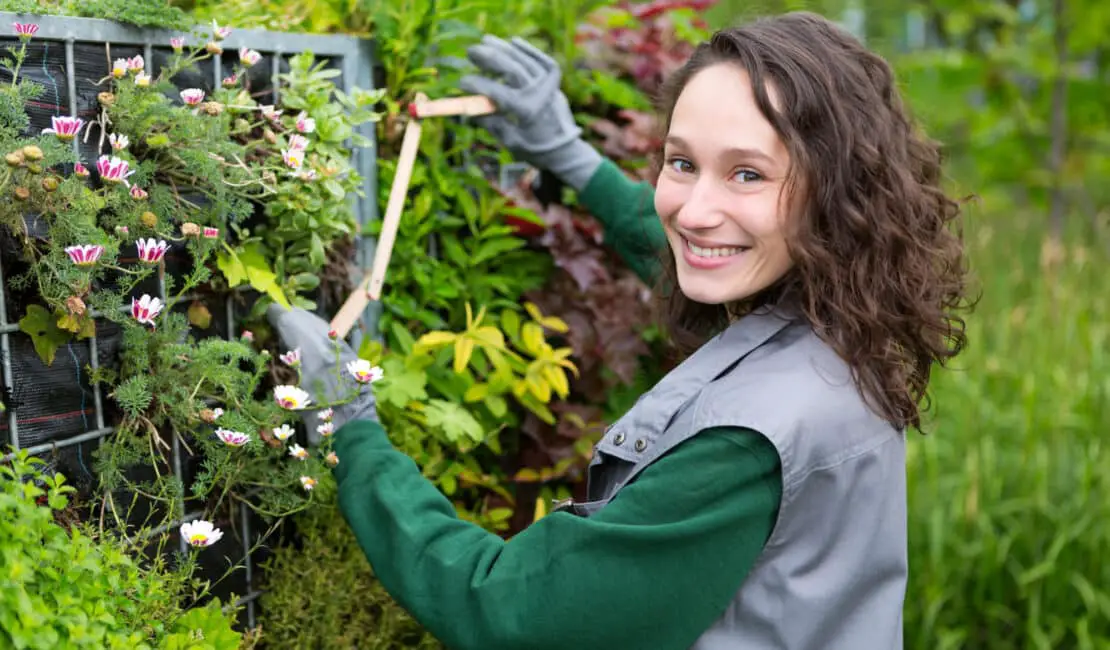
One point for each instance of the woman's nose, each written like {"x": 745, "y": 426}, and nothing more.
{"x": 705, "y": 206}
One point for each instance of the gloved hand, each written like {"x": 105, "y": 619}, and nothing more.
{"x": 319, "y": 377}
{"x": 534, "y": 120}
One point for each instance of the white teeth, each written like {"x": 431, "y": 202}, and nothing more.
{"x": 713, "y": 252}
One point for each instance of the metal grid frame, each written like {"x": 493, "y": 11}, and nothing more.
{"x": 356, "y": 61}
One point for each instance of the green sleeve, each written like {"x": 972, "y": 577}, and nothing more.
{"x": 653, "y": 569}
{"x": 626, "y": 209}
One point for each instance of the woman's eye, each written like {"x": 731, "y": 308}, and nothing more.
{"x": 681, "y": 165}
{"x": 747, "y": 176}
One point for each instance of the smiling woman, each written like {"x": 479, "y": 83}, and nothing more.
{"x": 756, "y": 496}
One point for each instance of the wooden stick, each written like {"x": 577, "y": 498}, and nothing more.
{"x": 371, "y": 285}
{"x": 468, "y": 105}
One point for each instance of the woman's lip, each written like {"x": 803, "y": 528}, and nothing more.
{"x": 701, "y": 243}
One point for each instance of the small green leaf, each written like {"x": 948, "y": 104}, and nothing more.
{"x": 43, "y": 329}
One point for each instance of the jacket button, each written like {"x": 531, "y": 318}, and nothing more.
{"x": 641, "y": 444}
{"x": 618, "y": 439}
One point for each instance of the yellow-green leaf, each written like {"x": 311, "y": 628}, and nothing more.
{"x": 510, "y": 322}
{"x": 533, "y": 310}
{"x": 532, "y": 337}
{"x": 436, "y": 339}
{"x": 557, "y": 378}
{"x": 464, "y": 347}
{"x": 540, "y": 388}
{"x": 489, "y": 335}
{"x": 476, "y": 393}
{"x": 555, "y": 323}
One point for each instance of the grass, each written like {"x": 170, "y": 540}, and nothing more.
{"x": 1010, "y": 490}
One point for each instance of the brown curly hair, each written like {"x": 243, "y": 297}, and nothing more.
{"x": 879, "y": 270}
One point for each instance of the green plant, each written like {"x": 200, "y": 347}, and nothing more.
{"x": 348, "y": 607}
{"x": 149, "y": 13}
{"x": 67, "y": 586}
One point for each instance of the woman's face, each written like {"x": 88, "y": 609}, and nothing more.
{"x": 720, "y": 193}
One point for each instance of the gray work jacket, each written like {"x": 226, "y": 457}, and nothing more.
{"x": 832, "y": 576}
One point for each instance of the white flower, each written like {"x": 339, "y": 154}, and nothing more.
{"x": 142, "y": 80}
{"x": 293, "y": 158}
{"x": 363, "y": 372}
{"x": 283, "y": 433}
{"x": 192, "y": 96}
{"x": 304, "y": 123}
{"x": 232, "y": 438}
{"x": 119, "y": 68}
{"x": 249, "y": 57}
{"x": 200, "y": 533}
{"x": 119, "y": 141}
{"x": 291, "y": 358}
{"x": 269, "y": 113}
{"x": 298, "y": 452}
{"x": 307, "y": 482}
{"x": 291, "y": 397}
{"x": 298, "y": 142}
{"x": 326, "y": 429}
{"x": 326, "y": 415}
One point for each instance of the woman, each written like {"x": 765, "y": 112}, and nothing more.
{"x": 756, "y": 497}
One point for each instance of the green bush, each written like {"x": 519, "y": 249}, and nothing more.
{"x": 322, "y": 593}
{"x": 61, "y": 587}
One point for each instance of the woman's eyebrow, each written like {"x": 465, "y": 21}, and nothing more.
{"x": 747, "y": 152}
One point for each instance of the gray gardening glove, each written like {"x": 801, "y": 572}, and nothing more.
{"x": 308, "y": 332}
{"x": 534, "y": 120}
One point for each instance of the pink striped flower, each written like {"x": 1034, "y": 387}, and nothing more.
{"x": 305, "y": 124}
{"x": 138, "y": 193}
{"x": 25, "y": 30}
{"x": 220, "y": 33}
{"x": 85, "y": 255}
{"x": 151, "y": 251}
{"x": 146, "y": 309}
{"x": 298, "y": 142}
{"x": 291, "y": 358}
{"x": 211, "y": 233}
{"x": 64, "y": 128}
{"x": 114, "y": 170}
{"x": 363, "y": 372}
{"x": 269, "y": 113}
{"x": 192, "y": 96}
{"x": 177, "y": 43}
{"x": 249, "y": 57}
{"x": 136, "y": 63}
{"x": 80, "y": 170}
{"x": 231, "y": 81}
{"x": 232, "y": 438}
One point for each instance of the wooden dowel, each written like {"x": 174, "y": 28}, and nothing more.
{"x": 371, "y": 285}
{"x": 468, "y": 105}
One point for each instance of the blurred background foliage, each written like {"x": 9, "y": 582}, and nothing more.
{"x": 1009, "y": 490}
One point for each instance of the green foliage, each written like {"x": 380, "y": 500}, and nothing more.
{"x": 66, "y": 587}
{"x": 148, "y": 13}
{"x": 327, "y": 576}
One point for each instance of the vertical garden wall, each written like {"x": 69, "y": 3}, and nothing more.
{"x": 161, "y": 189}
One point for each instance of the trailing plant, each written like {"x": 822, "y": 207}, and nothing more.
{"x": 194, "y": 187}
{"x": 349, "y": 607}
{"x": 68, "y": 586}
{"x": 148, "y": 13}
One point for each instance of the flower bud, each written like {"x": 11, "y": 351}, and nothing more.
{"x": 106, "y": 98}
{"x": 50, "y": 183}
{"x": 269, "y": 135}
{"x": 208, "y": 415}
{"x": 21, "y": 193}
{"x": 31, "y": 152}
{"x": 190, "y": 229}
{"x": 149, "y": 219}
{"x": 34, "y": 168}
{"x": 75, "y": 305}
{"x": 14, "y": 159}
{"x": 214, "y": 48}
